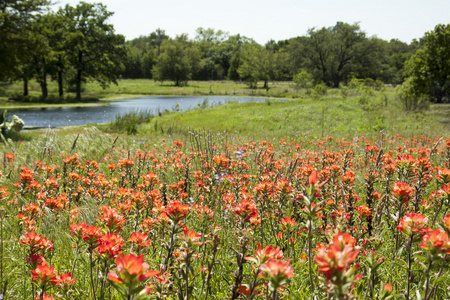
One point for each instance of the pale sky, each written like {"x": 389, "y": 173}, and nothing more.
{"x": 263, "y": 20}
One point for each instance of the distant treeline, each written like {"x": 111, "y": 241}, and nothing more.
{"x": 77, "y": 44}
{"x": 331, "y": 55}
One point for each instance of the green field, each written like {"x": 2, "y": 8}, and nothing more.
{"x": 245, "y": 168}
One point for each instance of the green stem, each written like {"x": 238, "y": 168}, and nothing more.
{"x": 41, "y": 296}
{"x": 186, "y": 273}
{"x": 274, "y": 294}
{"x": 92, "y": 275}
{"x": 427, "y": 284}
{"x": 409, "y": 266}
{"x": 1, "y": 249}
{"x": 170, "y": 248}
{"x": 311, "y": 279}
{"x": 435, "y": 286}
{"x": 102, "y": 291}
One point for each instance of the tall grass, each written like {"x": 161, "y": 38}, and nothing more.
{"x": 130, "y": 122}
{"x": 220, "y": 179}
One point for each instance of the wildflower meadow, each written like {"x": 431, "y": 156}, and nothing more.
{"x": 214, "y": 216}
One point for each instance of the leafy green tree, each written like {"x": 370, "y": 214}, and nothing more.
{"x": 178, "y": 61}
{"x": 395, "y": 54}
{"x": 42, "y": 53}
{"x": 35, "y": 57}
{"x": 93, "y": 49}
{"x": 258, "y": 63}
{"x": 24, "y": 69}
{"x": 142, "y": 54}
{"x": 235, "y": 62}
{"x": 42, "y": 57}
{"x": 335, "y": 54}
{"x": 236, "y": 41}
{"x": 157, "y": 38}
{"x": 15, "y": 19}
{"x": 55, "y": 32}
{"x": 429, "y": 68}
{"x": 220, "y": 54}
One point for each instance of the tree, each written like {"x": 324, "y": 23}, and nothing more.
{"x": 236, "y": 41}
{"x": 158, "y": 37}
{"x": 94, "y": 50}
{"x": 216, "y": 52}
{"x": 335, "y": 54}
{"x": 142, "y": 54}
{"x": 41, "y": 57}
{"x": 258, "y": 63}
{"x": 429, "y": 67}
{"x": 55, "y": 34}
{"x": 395, "y": 54}
{"x": 178, "y": 61}
{"x": 15, "y": 18}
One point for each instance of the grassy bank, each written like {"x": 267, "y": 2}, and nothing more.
{"x": 94, "y": 94}
{"x": 332, "y": 114}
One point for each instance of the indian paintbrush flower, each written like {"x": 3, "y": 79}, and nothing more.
{"x": 132, "y": 271}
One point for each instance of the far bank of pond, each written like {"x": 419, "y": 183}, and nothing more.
{"x": 82, "y": 115}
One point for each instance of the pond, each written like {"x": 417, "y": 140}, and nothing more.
{"x": 69, "y": 116}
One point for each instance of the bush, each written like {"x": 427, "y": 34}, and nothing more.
{"x": 410, "y": 99}
{"x": 130, "y": 122}
{"x": 318, "y": 91}
{"x": 303, "y": 80}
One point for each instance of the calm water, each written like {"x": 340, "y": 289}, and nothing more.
{"x": 67, "y": 116}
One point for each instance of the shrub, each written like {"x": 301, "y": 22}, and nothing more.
{"x": 130, "y": 122}
{"x": 303, "y": 80}
{"x": 410, "y": 99}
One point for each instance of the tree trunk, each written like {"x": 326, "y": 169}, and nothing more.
{"x": 60, "y": 85}
{"x": 43, "y": 81}
{"x": 25, "y": 85}
{"x": 44, "y": 87}
{"x": 78, "y": 91}
{"x": 80, "y": 61}
{"x": 60, "y": 78}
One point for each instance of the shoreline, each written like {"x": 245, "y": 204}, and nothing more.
{"x": 106, "y": 101}
{"x": 100, "y": 102}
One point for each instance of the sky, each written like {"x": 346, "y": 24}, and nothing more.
{"x": 264, "y": 20}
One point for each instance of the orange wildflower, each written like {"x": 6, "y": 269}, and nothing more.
{"x": 412, "y": 222}
{"x": 277, "y": 272}
{"x": 436, "y": 242}
{"x": 402, "y": 191}
{"x": 246, "y": 209}
{"x": 334, "y": 261}
{"x": 263, "y": 255}
{"x": 44, "y": 274}
{"x": 36, "y": 242}
{"x": 132, "y": 269}
{"x": 176, "y": 211}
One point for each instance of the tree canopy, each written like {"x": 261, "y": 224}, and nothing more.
{"x": 16, "y": 17}
{"x": 94, "y": 50}
{"x": 76, "y": 43}
{"x": 177, "y": 62}
{"x": 429, "y": 68}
